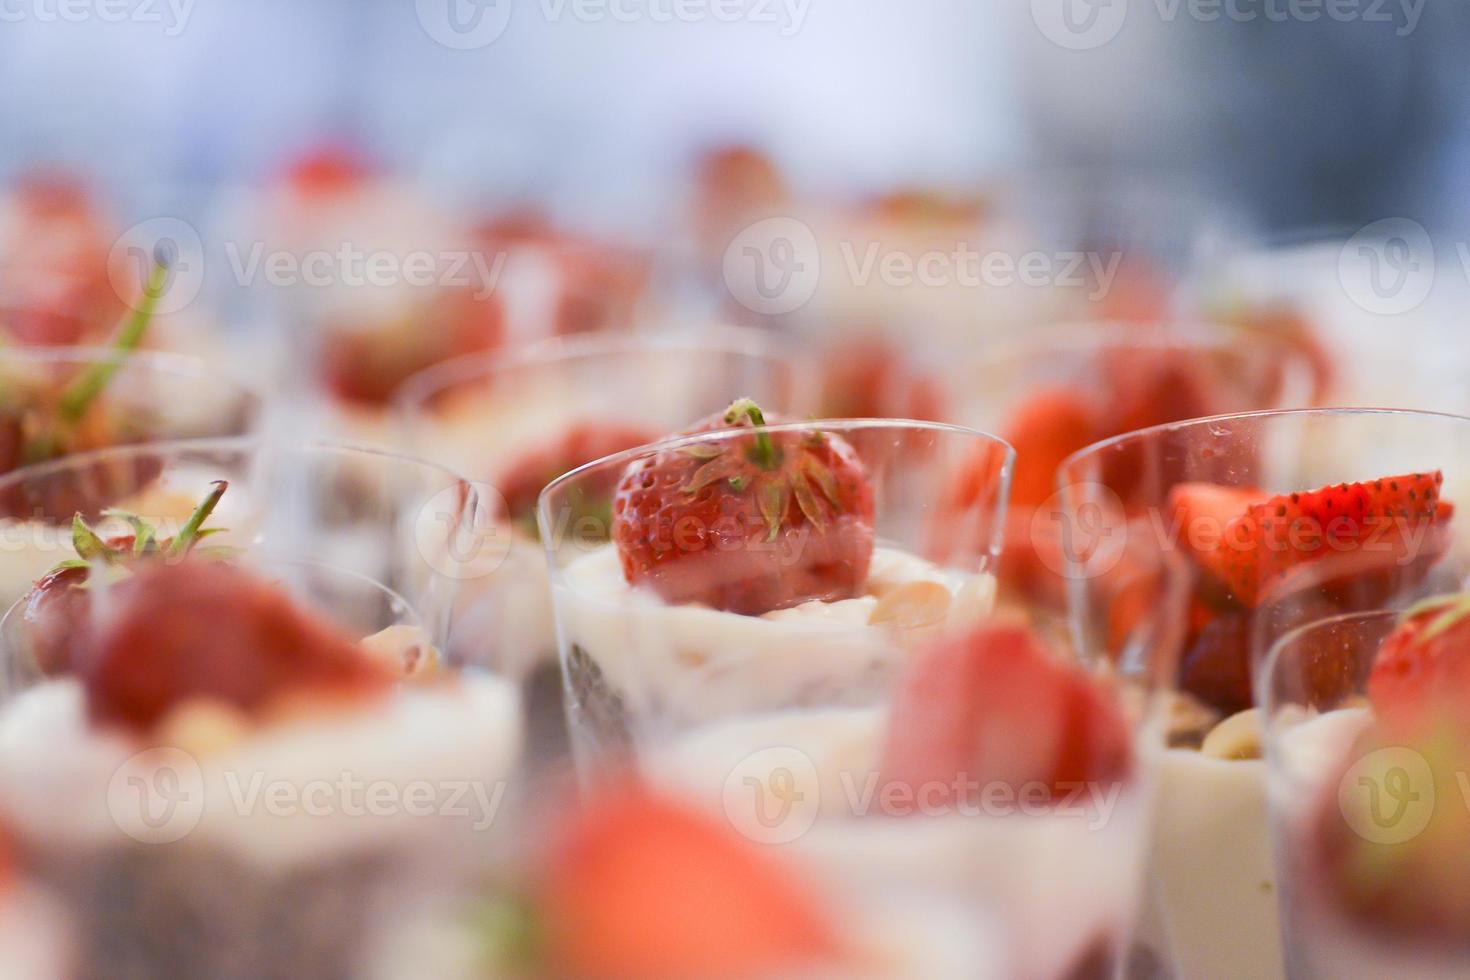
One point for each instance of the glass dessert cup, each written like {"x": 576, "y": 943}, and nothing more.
{"x": 1061, "y": 388}
{"x": 226, "y": 831}
{"x": 150, "y": 398}
{"x": 1201, "y": 492}
{"x": 555, "y": 407}
{"x": 777, "y": 713}
{"x": 1357, "y": 809}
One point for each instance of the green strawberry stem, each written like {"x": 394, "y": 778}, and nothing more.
{"x": 190, "y": 531}
{"x": 764, "y": 454}
{"x": 82, "y": 392}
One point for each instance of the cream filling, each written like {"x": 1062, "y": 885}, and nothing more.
{"x": 690, "y": 663}
{"x": 429, "y": 758}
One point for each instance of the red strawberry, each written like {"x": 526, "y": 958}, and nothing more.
{"x": 324, "y": 171}
{"x": 643, "y": 887}
{"x": 1386, "y": 524}
{"x": 521, "y": 482}
{"x": 197, "y": 629}
{"x": 993, "y": 706}
{"x": 870, "y": 379}
{"x": 750, "y": 524}
{"x": 1050, "y": 425}
{"x": 58, "y": 608}
{"x": 1422, "y": 670}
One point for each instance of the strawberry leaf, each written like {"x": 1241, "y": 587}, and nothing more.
{"x": 81, "y": 393}
{"x": 88, "y": 544}
{"x": 189, "y": 533}
{"x": 807, "y": 501}
{"x": 145, "y": 538}
{"x": 718, "y": 469}
{"x": 822, "y": 476}
{"x": 774, "y": 497}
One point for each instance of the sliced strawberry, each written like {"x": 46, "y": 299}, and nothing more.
{"x": 1393, "y": 522}
{"x": 199, "y": 629}
{"x": 994, "y": 707}
{"x": 750, "y": 523}
{"x": 1422, "y": 670}
{"x": 1047, "y": 427}
{"x": 643, "y": 887}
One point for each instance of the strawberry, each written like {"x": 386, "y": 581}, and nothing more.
{"x": 870, "y": 379}
{"x": 1422, "y": 670}
{"x": 643, "y": 887}
{"x": 749, "y": 524}
{"x": 58, "y": 608}
{"x": 993, "y": 706}
{"x": 1393, "y": 523}
{"x": 325, "y": 171}
{"x": 521, "y": 482}
{"x": 191, "y": 629}
{"x": 1047, "y": 427}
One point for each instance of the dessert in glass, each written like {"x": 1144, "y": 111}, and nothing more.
{"x": 1365, "y": 722}
{"x": 519, "y": 420}
{"x": 1279, "y": 518}
{"x": 261, "y": 728}
{"x": 56, "y": 402}
{"x": 1061, "y": 388}
{"x": 793, "y": 625}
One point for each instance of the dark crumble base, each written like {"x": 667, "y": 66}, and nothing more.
{"x": 595, "y": 708}
{"x": 183, "y": 911}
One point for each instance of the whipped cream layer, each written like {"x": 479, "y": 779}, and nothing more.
{"x": 411, "y": 766}
{"x": 690, "y": 662}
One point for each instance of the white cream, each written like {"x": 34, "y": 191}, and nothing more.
{"x": 438, "y": 755}
{"x": 1055, "y": 883}
{"x": 687, "y": 663}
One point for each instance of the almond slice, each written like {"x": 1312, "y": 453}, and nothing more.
{"x": 1236, "y": 738}
{"x": 405, "y": 650}
{"x": 912, "y": 606}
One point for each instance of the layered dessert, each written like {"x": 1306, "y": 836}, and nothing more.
{"x": 1265, "y": 563}
{"x": 1372, "y": 821}
{"x": 186, "y": 787}
{"x": 743, "y": 573}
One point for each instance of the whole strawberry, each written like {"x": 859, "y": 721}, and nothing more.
{"x": 58, "y": 608}
{"x": 750, "y": 523}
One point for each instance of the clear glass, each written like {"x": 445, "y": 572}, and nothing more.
{"x": 518, "y": 420}
{"x": 152, "y": 397}
{"x": 408, "y": 524}
{"x": 1212, "y": 873}
{"x": 780, "y": 720}
{"x": 356, "y": 812}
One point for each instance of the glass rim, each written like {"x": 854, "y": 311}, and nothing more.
{"x": 1155, "y": 431}
{"x": 417, "y": 389}
{"x": 158, "y": 361}
{"x": 221, "y": 444}
{"x": 838, "y": 426}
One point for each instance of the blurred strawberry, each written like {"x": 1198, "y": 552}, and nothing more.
{"x": 643, "y": 888}
{"x": 749, "y": 524}
{"x": 1422, "y": 670}
{"x": 326, "y": 170}
{"x": 522, "y": 481}
{"x": 179, "y": 631}
{"x": 1047, "y": 427}
{"x": 994, "y": 707}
